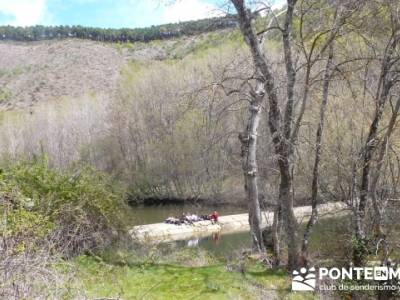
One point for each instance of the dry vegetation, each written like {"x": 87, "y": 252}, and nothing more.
{"x": 33, "y": 73}
{"x": 37, "y": 73}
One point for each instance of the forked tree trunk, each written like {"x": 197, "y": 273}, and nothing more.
{"x": 249, "y": 166}
{"x": 280, "y": 134}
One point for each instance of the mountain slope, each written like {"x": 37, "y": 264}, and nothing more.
{"x": 37, "y": 72}
{"x": 43, "y": 71}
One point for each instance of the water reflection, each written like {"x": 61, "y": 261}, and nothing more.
{"x": 215, "y": 237}
{"x": 220, "y": 245}
{"x": 330, "y": 239}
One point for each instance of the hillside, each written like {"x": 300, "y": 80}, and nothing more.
{"x": 38, "y": 72}
{"x": 42, "y": 71}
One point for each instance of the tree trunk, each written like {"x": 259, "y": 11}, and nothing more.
{"x": 290, "y": 223}
{"x": 276, "y": 233}
{"x": 285, "y": 147}
{"x": 317, "y": 158}
{"x": 249, "y": 166}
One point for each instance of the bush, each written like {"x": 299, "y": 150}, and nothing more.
{"x": 81, "y": 209}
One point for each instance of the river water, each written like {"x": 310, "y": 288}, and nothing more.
{"x": 332, "y": 233}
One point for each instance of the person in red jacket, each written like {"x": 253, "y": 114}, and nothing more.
{"x": 214, "y": 216}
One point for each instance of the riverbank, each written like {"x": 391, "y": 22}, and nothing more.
{"x": 222, "y": 269}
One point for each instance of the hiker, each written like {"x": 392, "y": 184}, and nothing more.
{"x": 214, "y": 217}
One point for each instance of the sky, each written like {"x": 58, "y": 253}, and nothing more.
{"x": 107, "y": 13}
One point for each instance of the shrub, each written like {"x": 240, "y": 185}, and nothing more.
{"x": 81, "y": 209}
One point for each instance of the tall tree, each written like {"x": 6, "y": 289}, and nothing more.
{"x": 280, "y": 129}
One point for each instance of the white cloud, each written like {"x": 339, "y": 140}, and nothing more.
{"x": 186, "y": 10}
{"x": 24, "y": 12}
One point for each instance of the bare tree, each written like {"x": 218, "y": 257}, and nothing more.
{"x": 317, "y": 157}
{"x": 341, "y": 14}
{"x": 280, "y": 129}
{"x": 388, "y": 77}
{"x": 379, "y": 205}
{"x": 284, "y": 127}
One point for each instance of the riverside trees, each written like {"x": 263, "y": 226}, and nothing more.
{"x": 304, "y": 49}
{"x": 283, "y": 128}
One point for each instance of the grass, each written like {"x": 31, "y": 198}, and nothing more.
{"x": 176, "y": 281}
{"x": 193, "y": 274}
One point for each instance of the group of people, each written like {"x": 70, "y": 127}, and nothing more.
{"x": 191, "y": 218}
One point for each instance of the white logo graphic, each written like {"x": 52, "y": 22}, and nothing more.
{"x": 304, "y": 280}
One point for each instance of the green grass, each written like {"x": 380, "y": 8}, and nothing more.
{"x": 174, "y": 281}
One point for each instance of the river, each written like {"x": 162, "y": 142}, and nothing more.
{"x": 227, "y": 244}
